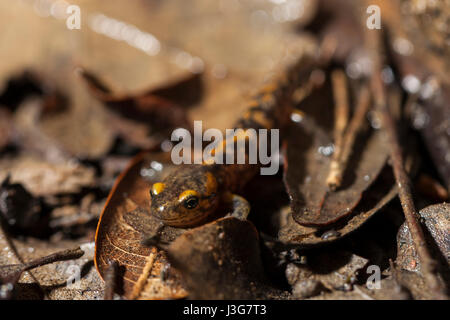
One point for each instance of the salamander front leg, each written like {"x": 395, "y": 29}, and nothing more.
{"x": 239, "y": 206}
{"x": 154, "y": 238}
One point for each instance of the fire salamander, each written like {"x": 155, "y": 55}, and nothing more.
{"x": 194, "y": 194}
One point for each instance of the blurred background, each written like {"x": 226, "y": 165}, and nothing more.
{"x": 143, "y": 43}
{"x": 66, "y": 133}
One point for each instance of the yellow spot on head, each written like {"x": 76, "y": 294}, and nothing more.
{"x": 157, "y": 188}
{"x": 186, "y": 194}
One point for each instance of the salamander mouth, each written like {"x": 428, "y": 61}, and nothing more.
{"x": 185, "y": 220}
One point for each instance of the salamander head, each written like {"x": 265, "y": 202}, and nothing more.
{"x": 186, "y": 198}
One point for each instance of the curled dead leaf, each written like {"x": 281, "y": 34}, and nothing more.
{"x": 436, "y": 220}
{"x": 375, "y": 198}
{"x": 163, "y": 106}
{"x": 32, "y": 83}
{"x": 221, "y": 260}
{"x": 308, "y": 149}
{"x": 44, "y": 178}
{"x": 124, "y": 223}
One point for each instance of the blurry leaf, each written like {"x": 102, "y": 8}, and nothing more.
{"x": 436, "y": 219}
{"x": 30, "y": 136}
{"x": 338, "y": 20}
{"x": 161, "y": 106}
{"x": 18, "y": 88}
{"x": 17, "y": 270}
{"x": 30, "y": 96}
{"x": 19, "y": 209}
{"x": 375, "y": 198}
{"x": 423, "y": 72}
{"x": 429, "y": 110}
{"x": 5, "y": 128}
{"x": 334, "y": 269}
{"x": 412, "y": 284}
{"x": 29, "y": 84}
{"x": 432, "y": 118}
{"x": 389, "y": 290}
{"x": 185, "y": 92}
{"x": 308, "y": 150}
{"x": 133, "y": 133}
{"x": 431, "y": 188}
{"x": 221, "y": 260}
{"x": 83, "y": 213}
{"x": 43, "y": 178}
{"x": 123, "y": 224}
{"x": 49, "y": 281}
{"x": 411, "y": 47}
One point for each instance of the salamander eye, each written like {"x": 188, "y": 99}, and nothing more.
{"x": 189, "y": 199}
{"x": 190, "y": 203}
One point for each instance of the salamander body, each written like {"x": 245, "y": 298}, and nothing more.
{"x": 193, "y": 194}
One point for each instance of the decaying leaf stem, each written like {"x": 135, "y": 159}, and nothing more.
{"x": 338, "y": 165}
{"x": 428, "y": 264}
{"x": 355, "y": 126}
{"x": 64, "y": 255}
{"x": 341, "y": 116}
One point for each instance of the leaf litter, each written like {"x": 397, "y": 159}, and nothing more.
{"x": 63, "y": 149}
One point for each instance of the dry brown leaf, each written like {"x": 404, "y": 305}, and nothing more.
{"x": 221, "y": 260}
{"x": 123, "y": 224}
{"x": 42, "y": 178}
{"x": 308, "y": 150}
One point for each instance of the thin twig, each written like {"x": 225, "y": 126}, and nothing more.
{"x": 15, "y": 277}
{"x": 341, "y": 116}
{"x": 69, "y": 254}
{"x": 428, "y": 264}
{"x": 143, "y": 278}
{"x": 64, "y": 255}
{"x": 355, "y": 126}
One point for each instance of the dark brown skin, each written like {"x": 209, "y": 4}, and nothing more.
{"x": 193, "y": 194}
